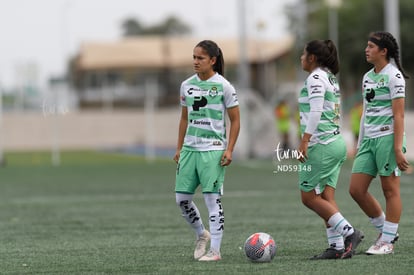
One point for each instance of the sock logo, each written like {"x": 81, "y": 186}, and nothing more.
{"x": 346, "y": 228}
{"x": 189, "y": 211}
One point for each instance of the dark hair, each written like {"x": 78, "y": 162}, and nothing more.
{"x": 213, "y": 51}
{"x": 326, "y": 54}
{"x": 385, "y": 40}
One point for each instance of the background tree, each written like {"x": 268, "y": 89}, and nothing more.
{"x": 131, "y": 27}
{"x": 170, "y": 26}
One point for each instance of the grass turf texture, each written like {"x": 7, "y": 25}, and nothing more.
{"x": 99, "y": 213}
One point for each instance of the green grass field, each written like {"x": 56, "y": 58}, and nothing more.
{"x": 112, "y": 214}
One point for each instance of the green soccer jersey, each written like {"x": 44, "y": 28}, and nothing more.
{"x": 206, "y": 102}
{"x": 379, "y": 89}
{"x": 321, "y": 85}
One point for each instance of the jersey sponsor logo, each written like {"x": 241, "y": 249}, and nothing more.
{"x": 398, "y": 75}
{"x": 199, "y": 101}
{"x": 366, "y": 82}
{"x": 234, "y": 97}
{"x": 315, "y": 76}
{"x": 315, "y": 91}
{"x": 400, "y": 89}
{"x": 200, "y": 122}
{"x": 217, "y": 143}
{"x": 315, "y": 86}
{"x": 373, "y": 110}
{"x": 369, "y": 96}
{"x": 191, "y": 90}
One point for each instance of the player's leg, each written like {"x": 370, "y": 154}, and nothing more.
{"x": 212, "y": 178}
{"x": 358, "y": 188}
{"x": 216, "y": 225}
{"x": 390, "y": 182}
{"x": 332, "y": 157}
{"x": 385, "y": 242}
{"x": 364, "y": 169}
{"x": 185, "y": 186}
{"x": 192, "y": 215}
{"x": 335, "y": 240}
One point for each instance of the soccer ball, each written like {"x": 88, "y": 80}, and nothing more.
{"x": 260, "y": 247}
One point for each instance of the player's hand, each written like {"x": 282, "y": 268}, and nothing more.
{"x": 303, "y": 151}
{"x": 226, "y": 158}
{"x": 402, "y": 162}
{"x": 176, "y": 156}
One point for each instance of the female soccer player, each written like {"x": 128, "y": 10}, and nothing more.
{"x": 203, "y": 150}
{"x": 323, "y": 148}
{"x": 381, "y": 144}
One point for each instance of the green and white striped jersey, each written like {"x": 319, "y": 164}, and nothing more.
{"x": 321, "y": 84}
{"x": 379, "y": 89}
{"x": 206, "y": 102}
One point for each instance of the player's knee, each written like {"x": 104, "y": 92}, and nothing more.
{"x": 306, "y": 202}
{"x": 308, "y": 199}
{"x": 355, "y": 192}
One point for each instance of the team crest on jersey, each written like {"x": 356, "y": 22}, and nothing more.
{"x": 381, "y": 83}
{"x": 213, "y": 92}
{"x": 332, "y": 80}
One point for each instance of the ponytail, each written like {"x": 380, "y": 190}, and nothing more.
{"x": 326, "y": 54}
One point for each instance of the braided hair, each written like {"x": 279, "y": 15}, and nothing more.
{"x": 213, "y": 50}
{"x": 386, "y": 40}
{"x": 326, "y": 54}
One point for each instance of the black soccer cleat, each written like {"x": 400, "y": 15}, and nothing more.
{"x": 351, "y": 243}
{"x": 329, "y": 254}
{"x": 397, "y": 236}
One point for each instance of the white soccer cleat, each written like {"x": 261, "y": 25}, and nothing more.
{"x": 211, "y": 256}
{"x": 201, "y": 245}
{"x": 380, "y": 248}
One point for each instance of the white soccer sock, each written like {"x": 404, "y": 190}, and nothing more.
{"x": 389, "y": 231}
{"x": 335, "y": 240}
{"x": 340, "y": 224}
{"x": 378, "y": 222}
{"x": 190, "y": 212}
{"x": 216, "y": 219}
